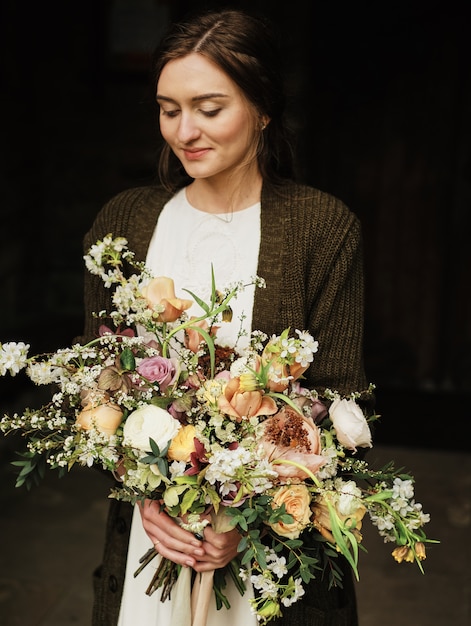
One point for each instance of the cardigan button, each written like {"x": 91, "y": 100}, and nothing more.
{"x": 112, "y": 584}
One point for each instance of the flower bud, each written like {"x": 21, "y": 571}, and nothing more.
{"x": 403, "y": 553}
{"x": 249, "y": 382}
{"x": 420, "y": 551}
{"x": 269, "y": 610}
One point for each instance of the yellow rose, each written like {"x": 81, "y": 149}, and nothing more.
{"x": 182, "y": 444}
{"x": 105, "y": 418}
{"x": 296, "y": 499}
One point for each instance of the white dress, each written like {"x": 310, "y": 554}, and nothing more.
{"x": 184, "y": 245}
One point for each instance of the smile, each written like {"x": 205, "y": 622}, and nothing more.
{"x": 195, "y": 154}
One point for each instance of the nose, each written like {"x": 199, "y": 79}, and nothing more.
{"x": 188, "y": 129}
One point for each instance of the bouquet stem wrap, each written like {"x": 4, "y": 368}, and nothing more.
{"x": 201, "y": 596}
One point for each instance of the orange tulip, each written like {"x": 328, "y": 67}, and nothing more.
{"x": 160, "y": 292}
{"x": 244, "y": 404}
{"x": 193, "y": 338}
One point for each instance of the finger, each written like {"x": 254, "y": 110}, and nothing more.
{"x": 169, "y": 540}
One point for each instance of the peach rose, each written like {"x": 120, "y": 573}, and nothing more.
{"x": 296, "y": 499}
{"x": 183, "y": 444}
{"x": 104, "y": 417}
{"x": 159, "y": 292}
{"x": 244, "y": 404}
{"x": 292, "y": 437}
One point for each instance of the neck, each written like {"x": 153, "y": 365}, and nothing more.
{"x": 224, "y": 196}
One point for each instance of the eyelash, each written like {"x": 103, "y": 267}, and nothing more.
{"x": 174, "y": 113}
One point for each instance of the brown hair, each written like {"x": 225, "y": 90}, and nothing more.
{"x": 245, "y": 48}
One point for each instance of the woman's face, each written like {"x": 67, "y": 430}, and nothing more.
{"x": 204, "y": 117}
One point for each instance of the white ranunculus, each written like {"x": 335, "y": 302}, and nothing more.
{"x": 149, "y": 422}
{"x": 350, "y": 424}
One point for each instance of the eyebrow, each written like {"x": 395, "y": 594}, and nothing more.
{"x": 204, "y": 96}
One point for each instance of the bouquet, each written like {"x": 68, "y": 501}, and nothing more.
{"x": 218, "y": 435}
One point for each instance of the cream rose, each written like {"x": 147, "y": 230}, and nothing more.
{"x": 149, "y": 422}
{"x": 296, "y": 499}
{"x": 350, "y": 424}
{"x": 104, "y": 417}
{"x": 183, "y": 444}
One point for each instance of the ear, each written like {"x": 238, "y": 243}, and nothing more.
{"x": 264, "y": 121}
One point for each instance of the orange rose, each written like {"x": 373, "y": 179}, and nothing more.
{"x": 296, "y": 499}
{"x": 244, "y": 404}
{"x": 160, "y": 292}
{"x": 105, "y": 418}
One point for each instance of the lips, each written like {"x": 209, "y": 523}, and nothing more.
{"x": 195, "y": 153}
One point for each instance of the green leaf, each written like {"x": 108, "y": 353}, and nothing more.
{"x": 163, "y": 466}
{"x": 127, "y": 360}
{"x": 188, "y": 499}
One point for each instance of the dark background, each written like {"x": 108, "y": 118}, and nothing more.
{"x": 380, "y": 97}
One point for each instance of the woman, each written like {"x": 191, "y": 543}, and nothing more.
{"x": 227, "y": 197}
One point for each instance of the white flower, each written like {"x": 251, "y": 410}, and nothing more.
{"x": 13, "y": 357}
{"x": 349, "y": 498}
{"x": 149, "y": 422}
{"x": 44, "y": 373}
{"x": 350, "y": 424}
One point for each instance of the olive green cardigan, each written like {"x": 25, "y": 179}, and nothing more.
{"x": 311, "y": 259}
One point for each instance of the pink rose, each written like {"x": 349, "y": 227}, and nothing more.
{"x": 158, "y": 369}
{"x": 291, "y": 437}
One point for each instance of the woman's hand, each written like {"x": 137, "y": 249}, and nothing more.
{"x": 181, "y": 546}
{"x": 219, "y": 549}
{"x": 169, "y": 539}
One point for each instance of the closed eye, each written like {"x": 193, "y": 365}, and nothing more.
{"x": 211, "y": 113}
{"x": 172, "y": 113}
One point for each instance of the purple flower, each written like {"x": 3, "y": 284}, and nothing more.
{"x": 158, "y": 369}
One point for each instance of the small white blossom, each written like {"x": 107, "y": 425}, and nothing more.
{"x": 13, "y": 357}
